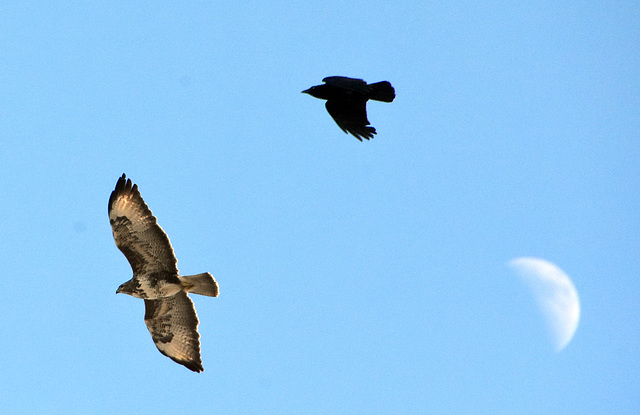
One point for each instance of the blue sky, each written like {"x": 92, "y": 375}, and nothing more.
{"x": 355, "y": 277}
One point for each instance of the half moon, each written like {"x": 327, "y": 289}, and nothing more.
{"x": 555, "y": 295}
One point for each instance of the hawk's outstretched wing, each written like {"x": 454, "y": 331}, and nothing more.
{"x": 137, "y": 232}
{"x": 173, "y": 325}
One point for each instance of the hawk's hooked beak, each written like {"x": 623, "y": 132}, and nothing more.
{"x": 119, "y": 290}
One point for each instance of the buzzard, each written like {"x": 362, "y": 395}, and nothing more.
{"x": 169, "y": 313}
{"x": 347, "y": 102}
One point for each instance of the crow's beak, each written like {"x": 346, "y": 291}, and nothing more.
{"x": 306, "y": 91}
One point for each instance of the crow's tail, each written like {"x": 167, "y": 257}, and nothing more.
{"x": 382, "y": 91}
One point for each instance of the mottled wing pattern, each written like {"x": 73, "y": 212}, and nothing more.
{"x": 137, "y": 232}
{"x": 351, "y": 117}
{"x": 173, "y": 325}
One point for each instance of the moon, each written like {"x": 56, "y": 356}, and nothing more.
{"x": 555, "y": 295}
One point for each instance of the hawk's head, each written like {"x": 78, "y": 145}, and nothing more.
{"x": 131, "y": 287}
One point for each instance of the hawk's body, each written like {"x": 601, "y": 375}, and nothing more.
{"x": 170, "y": 315}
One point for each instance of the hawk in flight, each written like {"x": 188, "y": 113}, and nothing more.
{"x": 347, "y": 102}
{"x": 169, "y": 313}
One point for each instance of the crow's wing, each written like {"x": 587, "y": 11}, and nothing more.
{"x": 351, "y": 84}
{"x": 351, "y": 117}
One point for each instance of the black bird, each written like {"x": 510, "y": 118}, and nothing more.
{"x": 347, "y": 102}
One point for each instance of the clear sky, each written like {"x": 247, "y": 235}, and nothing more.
{"x": 355, "y": 278}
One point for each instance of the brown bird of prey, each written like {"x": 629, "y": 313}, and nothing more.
{"x": 347, "y": 102}
{"x": 169, "y": 313}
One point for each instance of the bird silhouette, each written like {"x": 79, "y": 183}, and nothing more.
{"x": 347, "y": 102}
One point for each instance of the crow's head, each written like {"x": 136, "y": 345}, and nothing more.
{"x": 318, "y": 91}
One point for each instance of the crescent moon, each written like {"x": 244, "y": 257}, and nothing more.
{"x": 555, "y": 295}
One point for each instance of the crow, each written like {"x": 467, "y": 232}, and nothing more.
{"x": 347, "y": 102}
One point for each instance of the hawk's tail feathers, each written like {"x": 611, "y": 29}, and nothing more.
{"x": 382, "y": 91}
{"x": 203, "y": 284}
